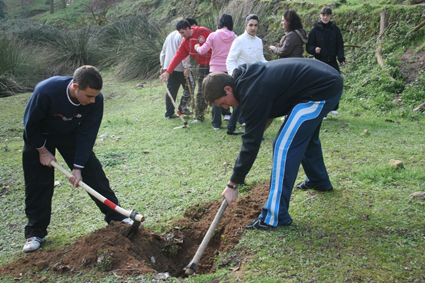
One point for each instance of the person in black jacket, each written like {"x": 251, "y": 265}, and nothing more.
{"x": 64, "y": 114}
{"x": 305, "y": 90}
{"x": 325, "y": 42}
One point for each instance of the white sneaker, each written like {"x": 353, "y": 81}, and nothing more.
{"x": 216, "y": 129}
{"x": 243, "y": 124}
{"x": 324, "y": 118}
{"x": 196, "y": 121}
{"x": 33, "y": 244}
{"x": 334, "y": 112}
{"x": 226, "y": 118}
{"x": 130, "y": 221}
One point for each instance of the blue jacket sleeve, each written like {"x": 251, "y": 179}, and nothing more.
{"x": 87, "y": 133}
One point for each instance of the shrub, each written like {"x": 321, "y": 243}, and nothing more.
{"x": 21, "y": 65}
{"x": 71, "y": 49}
{"x": 132, "y": 46}
{"x": 29, "y": 31}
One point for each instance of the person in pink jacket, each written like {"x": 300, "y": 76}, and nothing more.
{"x": 220, "y": 42}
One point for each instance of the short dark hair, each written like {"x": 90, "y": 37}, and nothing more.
{"x": 213, "y": 86}
{"x": 191, "y": 21}
{"x": 251, "y": 17}
{"x": 326, "y": 10}
{"x": 294, "y": 21}
{"x": 226, "y": 21}
{"x": 88, "y": 76}
{"x": 182, "y": 25}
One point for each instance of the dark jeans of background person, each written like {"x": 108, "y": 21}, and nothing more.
{"x": 231, "y": 126}
{"x": 39, "y": 183}
{"x": 187, "y": 96}
{"x": 201, "y": 105}
{"x": 334, "y": 64}
{"x": 217, "y": 112}
{"x": 174, "y": 82}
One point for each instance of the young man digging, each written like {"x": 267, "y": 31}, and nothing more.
{"x": 305, "y": 90}
{"x": 63, "y": 113}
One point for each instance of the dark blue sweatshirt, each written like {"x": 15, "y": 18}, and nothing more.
{"x": 269, "y": 90}
{"x": 50, "y": 111}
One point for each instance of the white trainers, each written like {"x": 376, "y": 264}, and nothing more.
{"x": 334, "y": 112}
{"x": 196, "y": 121}
{"x": 33, "y": 244}
{"x": 216, "y": 129}
{"x": 226, "y": 118}
{"x": 130, "y": 221}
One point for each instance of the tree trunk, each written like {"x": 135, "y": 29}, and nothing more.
{"x": 63, "y": 4}
{"x": 22, "y": 4}
{"x": 385, "y": 15}
{"x": 382, "y": 28}
{"x": 52, "y": 6}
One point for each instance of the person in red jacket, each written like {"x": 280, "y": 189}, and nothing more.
{"x": 191, "y": 37}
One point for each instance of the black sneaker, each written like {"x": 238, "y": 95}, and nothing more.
{"x": 235, "y": 133}
{"x": 172, "y": 116}
{"x": 186, "y": 112}
{"x": 286, "y": 224}
{"x": 259, "y": 225}
{"x": 303, "y": 186}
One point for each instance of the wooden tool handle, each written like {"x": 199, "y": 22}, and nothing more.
{"x": 194, "y": 263}
{"x": 101, "y": 198}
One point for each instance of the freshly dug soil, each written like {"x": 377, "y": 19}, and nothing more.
{"x": 108, "y": 250}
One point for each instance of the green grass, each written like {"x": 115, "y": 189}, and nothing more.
{"x": 367, "y": 229}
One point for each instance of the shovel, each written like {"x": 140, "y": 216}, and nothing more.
{"x": 185, "y": 125}
{"x": 191, "y": 93}
{"x": 193, "y": 265}
{"x": 137, "y": 218}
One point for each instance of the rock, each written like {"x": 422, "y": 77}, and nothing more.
{"x": 418, "y": 196}
{"x": 396, "y": 163}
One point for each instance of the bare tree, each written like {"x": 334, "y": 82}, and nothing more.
{"x": 52, "y": 6}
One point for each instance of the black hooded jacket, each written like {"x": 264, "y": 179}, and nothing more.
{"x": 329, "y": 38}
{"x": 272, "y": 89}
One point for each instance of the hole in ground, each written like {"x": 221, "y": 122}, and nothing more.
{"x": 108, "y": 250}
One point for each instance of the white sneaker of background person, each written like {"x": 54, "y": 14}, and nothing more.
{"x": 226, "y": 118}
{"x": 33, "y": 243}
{"x": 334, "y": 112}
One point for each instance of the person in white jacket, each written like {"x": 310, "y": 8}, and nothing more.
{"x": 169, "y": 49}
{"x": 246, "y": 48}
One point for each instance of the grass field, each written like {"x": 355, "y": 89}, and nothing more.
{"x": 367, "y": 229}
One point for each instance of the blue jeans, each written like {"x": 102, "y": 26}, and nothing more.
{"x": 216, "y": 113}
{"x": 174, "y": 82}
{"x": 236, "y": 117}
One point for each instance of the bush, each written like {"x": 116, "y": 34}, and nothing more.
{"x": 29, "y": 31}
{"x": 21, "y": 65}
{"x": 72, "y": 49}
{"x": 132, "y": 46}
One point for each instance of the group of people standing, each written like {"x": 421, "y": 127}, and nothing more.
{"x": 64, "y": 113}
{"x": 302, "y": 90}
{"x": 223, "y": 51}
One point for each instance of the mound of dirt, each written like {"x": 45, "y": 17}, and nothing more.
{"x": 108, "y": 250}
